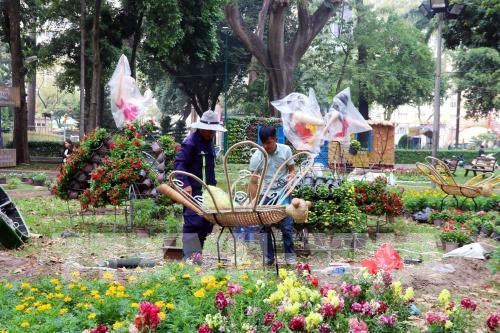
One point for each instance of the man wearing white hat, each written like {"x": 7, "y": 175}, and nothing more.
{"x": 197, "y": 156}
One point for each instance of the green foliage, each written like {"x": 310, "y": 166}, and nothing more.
{"x": 245, "y": 128}
{"x": 43, "y": 148}
{"x": 494, "y": 262}
{"x": 13, "y": 183}
{"x": 170, "y": 148}
{"x": 40, "y": 177}
{"x": 479, "y": 79}
{"x": 409, "y": 156}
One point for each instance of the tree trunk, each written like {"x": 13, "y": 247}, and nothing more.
{"x": 280, "y": 59}
{"x": 96, "y": 68}
{"x": 32, "y": 91}
{"x": 18, "y": 75}
{"x": 135, "y": 44}
{"x": 82, "y": 70}
{"x": 259, "y": 31}
{"x": 457, "y": 131}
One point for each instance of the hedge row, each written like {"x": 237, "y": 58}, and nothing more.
{"x": 409, "y": 156}
{"x": 43, "y": 148}
{"x": 245, "y": 128}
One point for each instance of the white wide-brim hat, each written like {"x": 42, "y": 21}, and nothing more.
{"x": 209, "y": 121}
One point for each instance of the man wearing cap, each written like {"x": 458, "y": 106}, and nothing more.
{"x": 197, "y": 156}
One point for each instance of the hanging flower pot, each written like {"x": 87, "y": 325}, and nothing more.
{"x": 155, "y": 146}
{"x": 160, "y": 177}
{"x": 308, "y": 181}
{"x": 161, "y": 167}
{"x": 161, "y": 158}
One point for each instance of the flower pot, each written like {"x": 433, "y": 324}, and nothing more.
{"x": 160, "y": 177}
{"x": 173, "y": 253}
{"x": 495, "y": 236}
{"x": 353, "y": 151}
{"x": 161, "y": 158}
{"x": 27, "y": 180}
{"x": 450, "y": 246}
{"x": 438, "y": 222}
{"x": 155, "y": 146}
{"x": 308, "y": 181}
{"x": 485, "y": 232}
{"x": 319, "y": 181}
{"x": 3, "y": 180}
{"x": 170, "y": 241}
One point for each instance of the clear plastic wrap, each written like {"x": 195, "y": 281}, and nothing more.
{"x": 302, "y": 121}
{"x": 343, "y": 119}
{"x": 127, "y": 103}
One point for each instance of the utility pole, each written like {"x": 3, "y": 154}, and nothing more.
{"x": 82, "y": 70}
{"x": 437, "y": 86}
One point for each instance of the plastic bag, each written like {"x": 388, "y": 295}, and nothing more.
{"x": 386, "y": 258}
{"x": 302, "y": 120}
{"x": 474, "y": 251}
{"x": 127, "y": 103}
{"x": 343, "y": 119}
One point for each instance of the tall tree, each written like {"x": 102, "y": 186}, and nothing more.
{"x": 12, "y": 15}
{"x": 95, "y": 92}
{"x": 279, "y": 58}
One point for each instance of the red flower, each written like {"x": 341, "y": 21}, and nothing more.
{"x": 204, "y": 329}
{"x": 148, "y": 317}
{"x": 314, "y": 280}
{"x": 324, "y": 328}
{"x": 233, "y": 288}
{"x": 100, "y": 329}
{"x": 328, "y": 310}
{"x": 297, "y": 323}
{"x": 268, "y": 318}
{"x": 468, "y": 303}
{"x": 221, "y": 302}
{"x": 277, "y": 325}
{"x": 493, "y": 321}
{"x": 301, "y": 267}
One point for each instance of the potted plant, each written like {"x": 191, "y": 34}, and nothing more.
{"x": 178, "y": 210}
{"x": 3, "y": 179}
{"x": 354, "y": 147}
{"x": 39, "y": 179}
{"x": 26, "y": 179}
{"x": 487, "y": 229}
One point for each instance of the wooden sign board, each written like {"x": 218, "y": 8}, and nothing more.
{"x": 10, "y": 96}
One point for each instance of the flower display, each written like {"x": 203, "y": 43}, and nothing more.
{"x": 375, "y": 198}
{"x": 148, "y": 317}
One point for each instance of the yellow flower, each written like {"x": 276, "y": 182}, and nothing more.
{"x": 20, "y": 307}
{"x": 169, "y": 306}
{"x": 134, "y": 305}
{"x": 200, "y": 293}
{"x": 292, "y": 309}
{"x": 313, "y": 320}
{"x": 282, "y": 273}
{"x": 132, "y": 278}
{"x": 409, "y": 294}
{"x": 83, "y": 288}
{"x": 34, "y": 290}
{"x": 54, "y": 281}
{"x": 44, "y": 307}
{"x": 28, "y": 310}
{"x": 58, "y": 287}
{"x": 8, "y": 285}
{"x": 91, "y": 315}
{"x": 71, "y": 286}
{"x": 147, "y": 293}
{"x": 59, "y": 295}
{"x": 75, "y": 274}
{"x": 244, "y": 276}
{"x": 197, "y": 269}
{"x": 67, "y": 299}
{"x": 444, "y": 297}
{"x": 186, "y": 276}
{"x": 162, "y": 315}
{"x": 448, "y": 325}
{"x": 248, "y": 291}
{"x": 117, "y": 325}
{"x": 25, "y": 285}
{"x": 108, "y": 276}
{"x": 63, "y": 311}
{"x": 397, "y": 288}
{"x": 160, "y": 304}
{"x": 172, "y": 278}
{"x": 25, "y": 324}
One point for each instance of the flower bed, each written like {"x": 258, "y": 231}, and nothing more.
{"x": 375, "y": 198}
{"x": 182, "y": 298}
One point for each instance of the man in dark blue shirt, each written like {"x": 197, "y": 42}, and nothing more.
{"x": 197, "y": 156}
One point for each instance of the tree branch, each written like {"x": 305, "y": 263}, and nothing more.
{"x": 276, "y": 38}
{"x": 259, "y": 32}
{"x": 247, "y": 37}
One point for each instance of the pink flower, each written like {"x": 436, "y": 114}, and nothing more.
{"x": 493, "y": 321}
{"x": 357, "y": 326}
{"x": 233, "y": 288}
{"x": 268, "y": 318}
{"x": 388, "y": 320}
{"x": 328, "y": 310}
{"x": 355, "y": 290}
{"x": 251, "y": 310}
{"x": 324, "y": 328}
{"x": 380, "y": 307}
{"x": 221, "y": 302}
{"x": 301, "y": 267}
{"x": 325, "y": 289}
{"x": 350, "y": 290}
{"x": 387, "y": 278}
{"x": 436, "y": 318}
{"x": 297, "y": 323}
{"x": 148, "y": 317}
{"x": 99, "y": 329}
{"x": 277, "y": 325}
{"x": 468, "y": 303}
{"x": 204, "y": 329}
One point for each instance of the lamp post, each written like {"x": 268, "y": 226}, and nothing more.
{"x": 226, "y": 34}
{"x": 444, "y": 10}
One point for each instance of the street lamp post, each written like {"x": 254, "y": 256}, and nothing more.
{"x": 444, "y": 10}
{"x": 226, "y": 34}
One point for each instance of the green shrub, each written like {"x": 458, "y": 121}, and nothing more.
{"x": 43, "y": 148}
{"x": 13, "y": 183}
{"x": 40, "y": 177}
{"x": 411, "y": 156}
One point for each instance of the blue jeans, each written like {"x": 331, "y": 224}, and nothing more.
{"x": 266, "y": 241}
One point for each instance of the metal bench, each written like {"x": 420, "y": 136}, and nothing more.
{"x": 481, "y": 164}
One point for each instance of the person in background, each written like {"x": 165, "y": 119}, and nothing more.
{"x": 68, "y": 149}
{"x": 197, "y": 156}
{"x": 277, "y": 154}
{"x": 481, "y": 151}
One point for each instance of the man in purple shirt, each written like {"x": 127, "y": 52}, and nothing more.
{"x": 197, "y": 156}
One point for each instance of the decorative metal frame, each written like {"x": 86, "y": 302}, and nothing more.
{"x": 266, "y": 209}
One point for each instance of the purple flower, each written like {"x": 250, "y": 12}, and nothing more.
{"x": 324, "y": 328}
{"x": 387, "y": 278}
{"x": 388, "y": 320}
